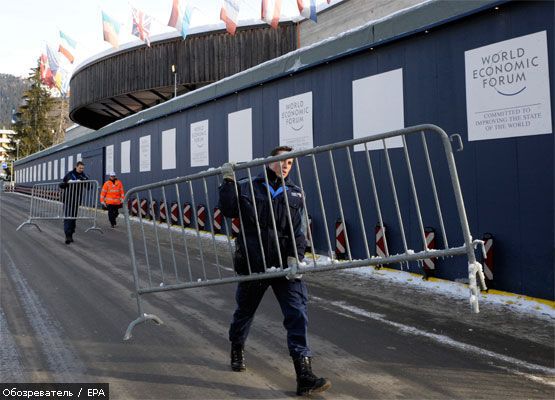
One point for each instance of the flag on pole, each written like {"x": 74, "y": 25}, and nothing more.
{"x": 53, "y": 62}
{"x": 271, "y": 11}
{"x": 230, "y": 15}
{"x": 307, "y": 8}
{"x": 180, "y": 18}
{"x": 141, "y": 25}
{"x": 67, "y": 46}
{"x": 45, "y": 71}
{"x": 110, "y": 28}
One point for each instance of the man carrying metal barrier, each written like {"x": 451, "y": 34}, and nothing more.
{"x": 291, "y": 292}
{"x": 71, "y": 198}
{"x": 111, "y": 197}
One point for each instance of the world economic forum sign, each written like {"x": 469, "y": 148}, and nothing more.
{"x": 507, "y": 89}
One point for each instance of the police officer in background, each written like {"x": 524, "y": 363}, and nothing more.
{"x": 71, "y": 197}
{"x": 291, "y": 293}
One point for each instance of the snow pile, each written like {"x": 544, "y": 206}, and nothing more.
{"x": 456, "y": 290}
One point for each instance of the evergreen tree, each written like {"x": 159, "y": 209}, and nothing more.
{"x": 34, "y": 127}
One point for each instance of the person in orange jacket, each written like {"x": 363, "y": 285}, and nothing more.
{"x": 111, "y": 197}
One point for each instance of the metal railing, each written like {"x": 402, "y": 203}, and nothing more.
{"x": 400, "y": 187}
{"x": 58, "y": 201}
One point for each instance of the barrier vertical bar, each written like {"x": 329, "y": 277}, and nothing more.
{"x": 340, "y": 204}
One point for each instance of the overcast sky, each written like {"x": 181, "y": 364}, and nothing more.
{"x": 27, "y": 25}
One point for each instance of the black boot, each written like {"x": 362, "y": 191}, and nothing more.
{"x": 307, "y": 382}
{"x": 238, "y": 357}
{"x": 69, "y": 239}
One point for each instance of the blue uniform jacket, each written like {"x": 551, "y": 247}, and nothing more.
{"x": 287, "y": 246}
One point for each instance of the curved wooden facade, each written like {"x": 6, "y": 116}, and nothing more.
{"x": 134, "y": 79}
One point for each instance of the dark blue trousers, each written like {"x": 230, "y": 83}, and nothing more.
{"x": 70, "y": 210}
{"x": 69, "y": 226}
{"x": 292, "y": 297}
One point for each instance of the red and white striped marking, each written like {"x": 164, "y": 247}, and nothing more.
{"x": 430, "y": 263}
{"x": 163, "y": 212}
{"x": 235, "y": 226}
{"x": 218, "y": 218}
{"x": 201, "y": 216}
{"x": 174, "y": 212}
{"x": 380, "y": 241}
{"x": 488, "y": 261}
{"x": 340, "y": 239}
{"x": 144, "y": 207}
{"x": 135, "y": 207}
{"x": 187, "y": 214}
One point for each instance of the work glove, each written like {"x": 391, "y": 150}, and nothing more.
{"x": 227, "y": 171}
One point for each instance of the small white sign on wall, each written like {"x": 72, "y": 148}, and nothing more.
{"x": 144, "y": 154}
{"x": 125, "y": 149}
{"x": 168, "y": 149}
{"x": 378, "y": 107}
{"x": 199, "y": 144}
{"x": 295, "y": 121}
{"x": 507, "y": 89}
{"x": 239, "y": 135}
{"x": 79, "y": 157}
{"x": 109, "y": 159}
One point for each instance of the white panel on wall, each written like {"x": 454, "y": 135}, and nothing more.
{"x": 39, "y": 172}
{"x": 168, "y": 149}
{"x": 199, "y": 144}
{"x": 239, "y": 135}
{"x": 63, "y": 170}
{"x": 69, "y": 163}
{"x": 55, "y": 169}
{"x": 507, "y": 88}
{"x": 295, "y": 121}
{"x": 144, "y": 153}
{"x": 79, "y": 157}
{"x": 378, "y": 107}
{"x": 125, "y": 150}
{"x": 44, "y": 171}
{"x": 49, "y": 170}
{"x": 109, "y": 159}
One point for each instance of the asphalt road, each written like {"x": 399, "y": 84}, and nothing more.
{"x": 64, "y": 311}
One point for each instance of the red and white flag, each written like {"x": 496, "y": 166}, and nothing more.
{"x": 46, "y": 75}
{"x": 230, "y": 15}
{"x": 271, "y": 11}
{"x": 141, "y": 25}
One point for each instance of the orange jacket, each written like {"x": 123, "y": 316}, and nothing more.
{"x": 112, "y": 192}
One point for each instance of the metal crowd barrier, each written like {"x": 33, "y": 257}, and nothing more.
{"x": 77, "y": 200}
{"x": 395, "y": 187}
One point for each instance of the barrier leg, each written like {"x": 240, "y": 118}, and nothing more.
{"x": 28, "y": 222}
{"x": 142, "y": 318}
{"x": 94, "y": 228}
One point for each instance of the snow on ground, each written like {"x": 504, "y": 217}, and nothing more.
{"x": 456, "y": 290}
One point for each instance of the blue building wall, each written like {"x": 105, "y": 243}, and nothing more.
{"x": 508, "y": 184}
